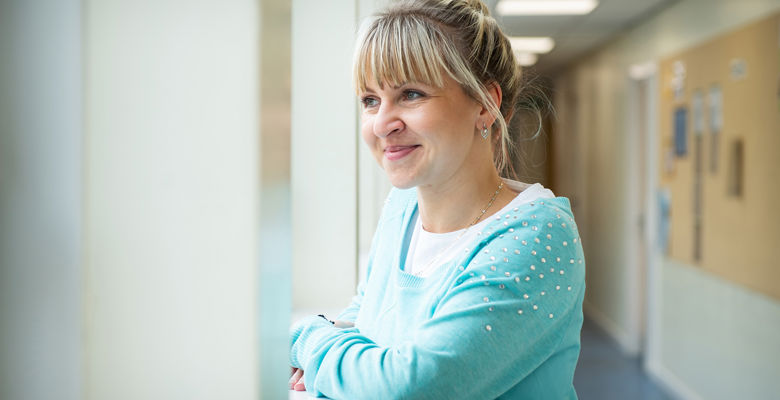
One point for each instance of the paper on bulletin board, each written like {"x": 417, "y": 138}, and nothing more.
{"x": 664, "y": 198}
{"x": 668, "y": 161}
{"x": 678, "y": 80}
{"x": 698, "y": 112}
{"x": 738, "y": 69}
{"x": 716, "y": 124}
{"x": 716, "y": 109}
{"x": 680, "y": 133}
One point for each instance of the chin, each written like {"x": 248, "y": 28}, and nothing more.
{"x": 400, "y": 176}
{"x": 402, "y": 182}
{"x": 402, "y": 186}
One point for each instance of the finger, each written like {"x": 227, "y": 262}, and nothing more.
{"x": 297, "y": 376}
{"x": 299, "y": 386}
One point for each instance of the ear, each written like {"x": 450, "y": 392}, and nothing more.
{"x": 494, "y": 93}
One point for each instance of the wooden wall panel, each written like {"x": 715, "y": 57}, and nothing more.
{"x": 739, "y": 234}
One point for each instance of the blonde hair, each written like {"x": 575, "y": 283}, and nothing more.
{"x": 419, "y": 40}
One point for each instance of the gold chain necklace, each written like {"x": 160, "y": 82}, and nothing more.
{"x": 432, "y": 263}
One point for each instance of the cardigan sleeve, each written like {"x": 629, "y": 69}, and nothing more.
{"x": 506, "y": 313}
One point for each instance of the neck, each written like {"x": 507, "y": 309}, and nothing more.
{"x": 455, "y": 204}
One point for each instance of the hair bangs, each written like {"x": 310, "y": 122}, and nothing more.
{"x": 402, "y": 49}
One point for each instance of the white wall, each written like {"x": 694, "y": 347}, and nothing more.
{"x": 171, "y": 197}
{"x": 324, "y": 155}
{"x": 40, "y": 200}
{"x": 592, "y": 98}
{"x": 719, "y": 340}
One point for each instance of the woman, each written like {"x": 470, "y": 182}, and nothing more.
{"x": 475, "y": 282}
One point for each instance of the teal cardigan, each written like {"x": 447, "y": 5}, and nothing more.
{"x": 502, "y": 320}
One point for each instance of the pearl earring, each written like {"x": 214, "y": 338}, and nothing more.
{"x": 484, "y": 131}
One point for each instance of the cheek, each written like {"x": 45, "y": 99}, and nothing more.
{"x": 446, "y": 132}
{"x": 367, "y": 132}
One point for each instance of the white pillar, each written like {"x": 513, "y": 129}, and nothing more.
{"x": 171, "y": 199}
{"x": 324, "y": 155}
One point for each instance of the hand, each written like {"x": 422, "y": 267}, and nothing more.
{"x": 296, "y": 380}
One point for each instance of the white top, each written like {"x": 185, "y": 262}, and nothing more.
{"x": 425, "y": 246}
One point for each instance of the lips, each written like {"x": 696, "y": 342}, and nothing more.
{"x": 394, "y": 153}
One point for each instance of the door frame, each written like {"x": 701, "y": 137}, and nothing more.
{"x": 643, "y": 249}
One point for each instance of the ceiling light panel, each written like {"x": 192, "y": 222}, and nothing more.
{"x": 526, "y": 44}
{"x": 526, "y": 59}
{"x": 546, "y": 7}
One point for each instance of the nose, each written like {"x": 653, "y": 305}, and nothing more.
{"x": 387, "y": 120}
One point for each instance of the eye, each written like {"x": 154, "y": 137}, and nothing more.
{"x": 369, "y": 101}
{"x": 411, "y": 94}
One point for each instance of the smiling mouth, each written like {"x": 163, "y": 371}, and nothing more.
{"x": 394, "y": 153}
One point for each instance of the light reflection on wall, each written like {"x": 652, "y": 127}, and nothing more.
{"x": 274, "y": 286}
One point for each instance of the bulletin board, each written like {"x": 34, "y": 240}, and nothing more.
{"x": 719, "y": 155}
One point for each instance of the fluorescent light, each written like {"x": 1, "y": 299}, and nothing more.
{"x": 526, "y": 59}
{"x": 527, "y": 44}
{"x": 545, "y": 7}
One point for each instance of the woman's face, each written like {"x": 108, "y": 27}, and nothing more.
{"x": 422, "y": 135}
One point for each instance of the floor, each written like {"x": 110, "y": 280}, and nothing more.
{"x": 604, "y": 373}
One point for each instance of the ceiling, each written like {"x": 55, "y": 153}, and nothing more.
{"x": 577, "y": 35}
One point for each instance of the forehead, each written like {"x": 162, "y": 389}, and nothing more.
{"x": 374, "y": 85}
{"x": 401, "y": 49}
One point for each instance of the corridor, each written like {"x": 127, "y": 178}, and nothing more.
{"x": 605, "y": 373}
{"x": 179, "y": 181}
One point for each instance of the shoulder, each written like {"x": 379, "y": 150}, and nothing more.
{"x": 534, "y": 245}
{"x": 528, "y": 264}
{"x": 548, "y": 220}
